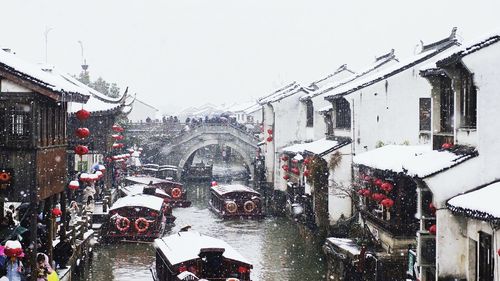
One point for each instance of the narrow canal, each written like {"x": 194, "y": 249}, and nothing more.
{"x": 273, "y": 245}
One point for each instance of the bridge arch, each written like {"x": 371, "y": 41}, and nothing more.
{"x": 178, "y": 150}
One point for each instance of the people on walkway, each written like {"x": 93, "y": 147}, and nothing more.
{"x": 73, "y": 212}
{"x": 43, "y": 268}
{"x": 63, "y": 251}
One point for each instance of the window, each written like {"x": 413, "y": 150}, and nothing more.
{"x": 446, "y": 106}
{"x": 486, "y": 259}
{"x": 19, "y": 121}
{"x": 329, "y": 123}
{"x": 468, "y": 101}
{"x": 425, "y": 114}
{"x": 310, "y": 113}
{"x": 342, "y": 114}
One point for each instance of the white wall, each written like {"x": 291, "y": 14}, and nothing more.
{"x": 450, "y": 244}
{"x": 141, "y": 111}
{"x": 9, "y": 86}
{"x": 338, "y": 202}
{"x": 268, "y": 147}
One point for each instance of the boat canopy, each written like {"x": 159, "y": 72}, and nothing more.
{"x": 148, "y": 179}
{"x": 225, "y": 189}
{"x": 139, "y": 200}
{"x": 187, "y": 245}
{"x": 139, "y": 189}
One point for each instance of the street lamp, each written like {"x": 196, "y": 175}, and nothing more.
{"x": 47, "y": 30}
{"x": 84, "y": 61}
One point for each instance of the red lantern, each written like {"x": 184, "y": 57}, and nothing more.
{"x": 74, "y": 185}
{"x": 270, "y": 131}
{"x": 286, "y": 177}
{"x": 387, "y": 202}
{"x": 182, "y": 268}
{"x": 307, "y": 161}
{"x": 213, "y": 183}
{"x": 285, "y": 167}
{"x": 242, "y": 269}
{"x": 269, "y": 139}
{"x": 378, "y": 197}
{"x": 295, "y": 171}
{"x": 378, "y": 182}
{"x": 433, "y": 229}
{"x": 446, "y": 145}
{"x": 432, "y": 208}
{"x": 56, "y": 212}
{"x": 81, "y": 150}
{"x": 364, "y": 192}
{"x": 284, "y": 158}
{"x": 387, "y": 187}
{"x": 498, "y": 252}
{"x": 117, "y": 128}
{"x": 82, "y": 133}
{"x": 307, "y": 173}
{"x": 82, "y": 114}
{"x": 116, "y": 145}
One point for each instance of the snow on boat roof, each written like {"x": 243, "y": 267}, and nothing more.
{"x": 185, "y": 246}
{"x": 139, "y": 189}
{"x": 480, "y": 204}
{"x": 316, "y": 147}
{"x": 225, "y": 189}
{"x": 41, "y": 75}
{"x": 148, "y": 179}
{"x": 414, "y": 160}
{"x": 139, "y": 200}
{"x": 347, "y": 245}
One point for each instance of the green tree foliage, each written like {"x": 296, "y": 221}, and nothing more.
{"x": 100, "y": 85}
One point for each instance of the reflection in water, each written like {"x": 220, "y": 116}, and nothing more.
{"x": 272, "y": 245}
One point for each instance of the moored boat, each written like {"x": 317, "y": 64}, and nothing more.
{"x": 137, "y": 217}
{"x": 235, "y": 200}
{"x": 172, "y": 188}
{"x": 194, "y": 256}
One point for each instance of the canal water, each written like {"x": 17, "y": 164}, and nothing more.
{"x": 273, "y": 245}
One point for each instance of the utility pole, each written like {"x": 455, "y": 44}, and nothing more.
{"x": 47, "y": 30}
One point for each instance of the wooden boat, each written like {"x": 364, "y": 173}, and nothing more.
{"x": 198, "y": 172}
{"x": 172, "y": 188}
{"x": 137, "y": 217}
{"x": 235, "y": 200}
{"x": 140, "y": 188}
{"x": 193, "y": 256}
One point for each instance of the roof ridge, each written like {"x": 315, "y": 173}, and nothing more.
{"x": 452, "y": 38}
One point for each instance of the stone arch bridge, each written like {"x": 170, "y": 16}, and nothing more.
{"x": 180, "y": 150}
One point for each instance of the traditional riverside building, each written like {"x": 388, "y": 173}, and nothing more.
{"x": 33, "y": 118}
{"x": 387, "y": 107}
{"x": 465, "y": 105}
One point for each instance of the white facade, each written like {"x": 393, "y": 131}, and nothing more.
{"x": 141, "y": 111}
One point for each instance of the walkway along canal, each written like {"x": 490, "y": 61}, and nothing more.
{"x": 273, "y": 245}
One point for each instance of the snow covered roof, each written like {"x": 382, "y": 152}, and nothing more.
{"x": 280, "y": 94}
{"x": 414, "y": 160}
{"x": 225, "y": 189}
{"x": 319, "y": 147}
{"x": 470, "y": 48}
{"x": 480, "y": 204}
{"x": 139, "y": 189}
{"x": 139, "y": 200}
{"x": 185, "y": 246}
{"x": 147, "y": 179}
{"x": 326, "y": 108}
{"x": 427, "y": 52}
{"x": 253, "y": 108}
{"x": 40, "y": 78}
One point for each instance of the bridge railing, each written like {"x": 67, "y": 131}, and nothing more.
{"x": 194, "y": 128}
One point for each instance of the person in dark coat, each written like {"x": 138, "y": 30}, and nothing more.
{"x": 63, "y": 251}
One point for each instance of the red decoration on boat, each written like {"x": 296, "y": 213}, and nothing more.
{"x": 387, "y": 202}
{"x": 307, "y": 173}
{"x": 74, "y": 185}
{"x": 378, "y": 197}
{"x": 286, "y": 177}
{"x": 82, "y": 133}
{"x": 82, "y": 114}
{"x": 446, "y": 145}
{"x": 387, "y": 186}
{"x": 433, "y": 229}
{"x": 117, "y": 128}
{"x": 213, "y": 183}
{"x": 284, "y": 158}
{"x": 81, "y": 150}
{"x": 270, "y": 131}
{"x": 269, "y": 139}
{"x": 432, "y": 208}
{"x": 378, "y": 182}
{"x": 56, "y": 212}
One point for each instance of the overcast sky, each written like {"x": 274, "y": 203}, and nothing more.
{"x": 175, "y": 54}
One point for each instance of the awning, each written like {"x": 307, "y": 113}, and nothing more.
{"x": 413, "y": 160}
{"x": 481, "y": 204}
{"x": 320, "y": 147}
